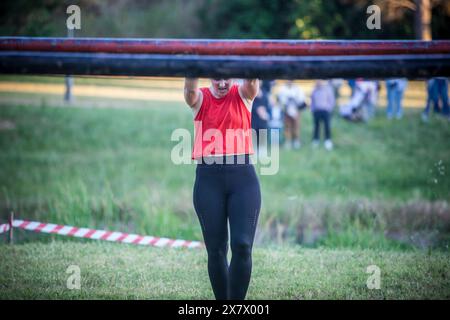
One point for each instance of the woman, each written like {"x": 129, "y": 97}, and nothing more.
{"x": 226, "y": 186}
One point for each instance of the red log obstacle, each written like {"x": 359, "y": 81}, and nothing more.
{"x": 226, "y": 47}
{"x": 271, "y": 59}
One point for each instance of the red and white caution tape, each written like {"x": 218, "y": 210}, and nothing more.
{"x": 4, "y": 228}
{"x": 103, "y": 235}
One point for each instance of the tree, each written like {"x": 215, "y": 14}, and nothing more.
{"x": 423, "y": 13}
{"x": 246, "y": 19}
{"x": 423, "y": 19}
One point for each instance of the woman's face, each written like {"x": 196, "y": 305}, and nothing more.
{"x": 221, "y": 86}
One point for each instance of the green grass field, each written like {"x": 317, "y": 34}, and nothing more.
{"x": 109, "y": 271}
{"x": 381, "y": 197}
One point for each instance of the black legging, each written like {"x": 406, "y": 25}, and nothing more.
{"x": 321, "y": 116}
{"x": 222, "y": 193}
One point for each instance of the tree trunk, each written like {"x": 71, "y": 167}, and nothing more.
{"x": 423, "y": 20}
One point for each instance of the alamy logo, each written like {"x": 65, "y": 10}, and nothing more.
{"x": 74, "y": 280}
{"x": 212, "y": 142}
{"x": 374, "y": 20}
{"x": 374, "y": 280}
{"x": 74, "y": 20}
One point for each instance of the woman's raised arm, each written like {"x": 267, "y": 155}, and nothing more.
{"x": 192, "y": 94}
{"x": 249, "y": 89}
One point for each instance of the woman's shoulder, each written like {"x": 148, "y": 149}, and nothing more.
{"x": 205, "y": 90}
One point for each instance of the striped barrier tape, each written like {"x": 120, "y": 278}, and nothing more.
{"x": 101, "y": 234}
{"x": 4, "y": 228}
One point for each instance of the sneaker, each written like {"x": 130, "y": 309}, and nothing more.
{"x": 315, "y": 143}
{"x": 328, "y": 145}
{"x": 297, "y": 144}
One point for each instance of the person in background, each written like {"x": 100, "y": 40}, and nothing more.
{"x": 442, "y": 91}
{"x": 276, "y": 121}
{"x": 432, "y": 98}
{"x": 260, "y": 114}
{"x": 437, "y": 88}
{"x": 356, "y": 109}
{"x": 336, "y": 84}
{"x": 322, "y": 104}
{"x": 371, "y": 99}
{"x": 292, "y": 100}
{"x": 352, "y": 84}
{"x": 395, "y": 90}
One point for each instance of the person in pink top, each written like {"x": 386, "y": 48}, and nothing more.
{"x": 226, "y": 189}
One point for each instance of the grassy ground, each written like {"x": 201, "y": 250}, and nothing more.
{"x": 108, "y": 271}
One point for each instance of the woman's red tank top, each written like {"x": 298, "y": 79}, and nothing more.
{"x": 222, "y": 126}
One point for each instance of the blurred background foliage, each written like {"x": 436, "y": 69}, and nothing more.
{"x": 289, "y": 19}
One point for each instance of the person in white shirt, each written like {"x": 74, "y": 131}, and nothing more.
{"x": 292, "y": 100}
{"x": 361, "y": 106}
